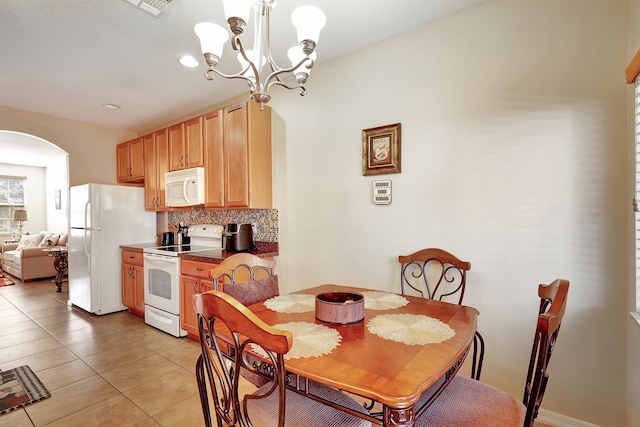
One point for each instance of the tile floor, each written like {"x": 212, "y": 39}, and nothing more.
{"x": 100, "y": 370}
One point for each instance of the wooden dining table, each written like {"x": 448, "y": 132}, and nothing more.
{"x": 388, "y": 374}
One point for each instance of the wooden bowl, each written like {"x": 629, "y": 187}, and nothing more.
{"x": 340, "y": 307}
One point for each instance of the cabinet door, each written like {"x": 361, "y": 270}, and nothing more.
{"x": 194, "y": 150}
{"x": 214, "y": 161}
{"x": 123, "y": 161}
{"x": 138, "y": 289}
{"x": 151, "y": 173}
{"x": 176, "y": 147}
{"x": 236, "y": 156}
{"x": 162, "y": 164}
{"x": 136, "y": 150}
{"x": 188, "y": 320}
{"x": 127, "y": 285}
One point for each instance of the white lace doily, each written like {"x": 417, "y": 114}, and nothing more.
{"x": 374, "y": 300}
{"x": 309, "y": 340}
{"x": 412, "y": 329}
{"x": 292, "y": 303}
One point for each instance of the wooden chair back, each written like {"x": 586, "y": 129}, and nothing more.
{"x": 434, "y": 274}
{"x": 553, "y": 303}
{"x": 241, "y": 268}
{"x": 218, "y": 368}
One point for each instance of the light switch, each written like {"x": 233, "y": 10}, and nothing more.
{"x": 382, "y": 192}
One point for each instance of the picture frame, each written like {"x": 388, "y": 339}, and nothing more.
{"x": 381, "y": 150}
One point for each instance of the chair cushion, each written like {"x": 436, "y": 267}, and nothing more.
{"x": 29, "y": 241}
{"x": 12, "y": 257}
{"x": 467, "y": 402}
{"x": 303, "y": 411}
{"x": 255, "y": 291}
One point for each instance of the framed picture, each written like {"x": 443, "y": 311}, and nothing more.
{"x": 381, "y": 150}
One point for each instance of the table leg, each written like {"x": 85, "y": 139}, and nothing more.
{"x": 399, "y": 417}
{"x": 60, "y": 264}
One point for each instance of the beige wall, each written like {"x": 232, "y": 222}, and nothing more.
{"x": 633, "y": 332}
{"x": 91, "y": 148}
{"x": 514, "y": 139}
{"x": 513, "y": 135}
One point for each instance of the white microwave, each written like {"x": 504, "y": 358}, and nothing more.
{"x": 184, "y": 187}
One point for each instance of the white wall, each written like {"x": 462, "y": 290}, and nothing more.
{"x": 513, "y": 144}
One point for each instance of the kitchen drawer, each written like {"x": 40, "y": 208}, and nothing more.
{"x": 131, "y": 257}
{"x": 196, "y": 268}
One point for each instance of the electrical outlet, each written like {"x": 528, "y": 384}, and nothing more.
{"x": 254, "y": 228}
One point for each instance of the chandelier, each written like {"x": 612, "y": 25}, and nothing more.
{"x": 258, "y": 68}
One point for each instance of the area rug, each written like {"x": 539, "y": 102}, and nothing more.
{"x": 20, "y": 387}
{"x": 5, "y": 281}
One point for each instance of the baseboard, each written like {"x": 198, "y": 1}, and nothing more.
{"x": 558, "y": 420}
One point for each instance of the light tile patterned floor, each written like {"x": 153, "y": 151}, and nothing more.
{"x": 101, "y": 370}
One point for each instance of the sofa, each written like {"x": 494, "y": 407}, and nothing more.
{"x": 28, "y": 260}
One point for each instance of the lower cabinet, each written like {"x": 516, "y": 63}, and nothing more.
{"x": 194, "y": 279}
{"x": 133, "y": 282}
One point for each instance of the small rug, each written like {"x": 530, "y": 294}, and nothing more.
{"x": 20, "y": 387}
{"x": 5, "y": 281}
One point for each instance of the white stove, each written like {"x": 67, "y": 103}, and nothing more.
{"x": 202, "y": 237}
{"x": 162, "y": 277}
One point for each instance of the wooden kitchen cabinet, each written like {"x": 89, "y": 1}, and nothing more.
{"x": 194, "y": 279}
{"x": 133, "y": 282}
{"x": 156, "y": 147}
{"x": 186, "y": 149}
{"x": 242, "y": 179}
{"x": 130, "y": 161}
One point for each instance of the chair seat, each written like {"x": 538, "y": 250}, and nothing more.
{"x": 302, "y": 411}
{"x": 466, "y": 402}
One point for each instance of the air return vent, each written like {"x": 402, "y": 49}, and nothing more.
{"x": 154, "y": 7}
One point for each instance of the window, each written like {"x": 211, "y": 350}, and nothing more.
{"x": 13, "y": 194}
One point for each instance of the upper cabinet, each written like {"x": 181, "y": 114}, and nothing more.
{"x": 238, "y": 157}
{"x": 186, "y": 148}
{"x": 233, "y": 145}
{"x": 156, "y": 147}
{"x": 130, "y": 161}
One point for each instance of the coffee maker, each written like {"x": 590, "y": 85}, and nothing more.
{"x": 239, "y": 237}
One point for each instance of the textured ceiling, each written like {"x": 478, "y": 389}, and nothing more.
{"x": 67, "y": 58}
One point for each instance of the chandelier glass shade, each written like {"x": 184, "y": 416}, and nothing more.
{"x": 258, "y": 67}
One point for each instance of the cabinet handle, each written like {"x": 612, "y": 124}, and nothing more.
{"x": 131, "y": 257}
{"x": 198, "y": 269}
{"x": 182, "y": 161}
{"x": 195, "y": 291}
{"x": 220, "y": 198}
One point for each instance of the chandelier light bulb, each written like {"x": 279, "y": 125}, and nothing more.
{"x": 212, "y": 38}
{"x": 308, "y": 20}
{"x": 238, "y": 9}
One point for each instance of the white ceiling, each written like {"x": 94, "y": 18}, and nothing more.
{"x": 66, "y": 58}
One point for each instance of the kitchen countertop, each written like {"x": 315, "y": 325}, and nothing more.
{"x": 215, "y": 256}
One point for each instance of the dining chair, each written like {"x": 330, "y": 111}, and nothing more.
{"x": 273, "y": 404}
{"x": 468, "y": 402}
{"x": 437, "y": 274}
{"x": 249, "y": 279}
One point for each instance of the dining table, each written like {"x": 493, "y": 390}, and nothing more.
{"x": 403, "y": 347}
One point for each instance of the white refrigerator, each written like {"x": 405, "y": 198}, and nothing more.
{"x": 103, "y": 217}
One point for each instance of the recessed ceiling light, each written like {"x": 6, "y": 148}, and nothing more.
{"x": 111, "y": 106}
{"x": 188, "y": 61}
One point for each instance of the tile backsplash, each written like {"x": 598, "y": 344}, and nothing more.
{"x": 266, "y": 220}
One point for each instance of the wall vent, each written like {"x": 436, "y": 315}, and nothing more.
{"x": 153, "y": 7}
